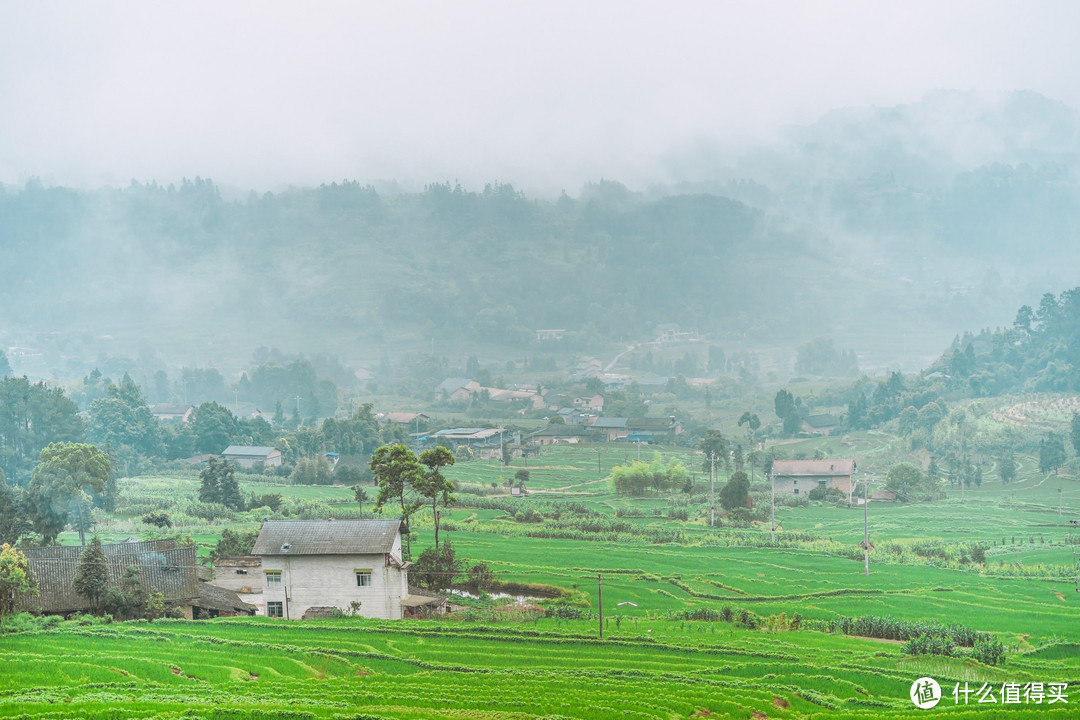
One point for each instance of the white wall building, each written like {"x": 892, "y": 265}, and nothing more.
{"x": 321, "y": 564}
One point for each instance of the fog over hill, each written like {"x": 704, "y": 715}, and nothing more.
{"x": 888, "y": 229}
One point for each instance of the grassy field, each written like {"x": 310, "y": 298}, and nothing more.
{"x": 350, "y": 668}
{"x": 506, "y": 662}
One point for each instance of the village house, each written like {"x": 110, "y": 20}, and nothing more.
{"x": 559, "y": 434}
{"x": 413, "y": 420}
{"x": 239, "y": 574}
{"x": 169, "y": 412}
{"x": 164, "y": 566}
{"x": 590, "y": 402}
{"x": 799, "y": 477}
{"x": 309, "y": 568}
{"x": 246, "y": 456}
{"x": 820, "y": 424}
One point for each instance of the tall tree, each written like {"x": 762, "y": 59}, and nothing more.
{"x": 1074, "y": 432}
{"x": 433, "y": 486}
{"x": 787, "y": 410}
{"x": 714, "y": 445}
{"x": 736, "y": 493}
{"x": 218, "y": 484}
{"x": 60, "y": 482}
{"x": 14, "y": 522}
{"x": 32, "y": 415}
{"x": 16, "y": 578}
{"x": 1051, "y": 453}
{"x": 124, "y": 419}
{"x": 396, "y": 470}
{"x": 92, "y": 573}
{"x": 215, "y": 427}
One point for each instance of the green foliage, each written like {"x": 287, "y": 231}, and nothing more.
{"x": 989, "y": 650}
{"x": 787, "y": 409}
{"x": 59, "y": 483}
{"x": 1051, "y": 453}
{"x": 714, "y": 445}
{"x": 123, "y": 419}
{"x": 312, "y": 471}
{"x": 157, "y": 519}
{"x": 638, "y": 477}
{"x": 33, "y": 415}
{"x": 820, "y": 357}
{"x": 16, "y": 578}
{"x": 432, "y": 485}
{"x": 215, "y": 427}
{"x": 736, "y": 492}
{"x": 128, "y": 599}
{"x": 234, "y": 543}
{"x": 218, "y": 484}
{"x": 436, "y": 568}
{"x": 92, "y": 574}
{"x": 14, "y": 515}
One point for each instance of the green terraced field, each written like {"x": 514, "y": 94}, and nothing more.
{"x": 258, "y": 668}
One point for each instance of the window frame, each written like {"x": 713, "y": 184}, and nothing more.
{"x": 362, "y": 573}
{"x": 273, "y": 578}
{"x": 275, "y": 609}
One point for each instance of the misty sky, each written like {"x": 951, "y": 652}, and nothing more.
{"x": 542, "y": 94}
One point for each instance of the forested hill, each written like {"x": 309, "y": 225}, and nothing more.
{"x": 1039, "y": 353}
{"x": 885, "y": 229}
{"x": 343, "y": 259}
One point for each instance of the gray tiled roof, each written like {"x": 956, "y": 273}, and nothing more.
{"x": 326, "y": 537}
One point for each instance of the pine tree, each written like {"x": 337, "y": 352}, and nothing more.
{"x": 92, "y": 574}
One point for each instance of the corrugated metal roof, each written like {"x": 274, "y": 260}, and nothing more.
{"x": 248, "y": 450}
{"x": 326, "y": 537}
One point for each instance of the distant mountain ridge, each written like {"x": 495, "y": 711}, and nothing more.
{"x": 872, "y": 225}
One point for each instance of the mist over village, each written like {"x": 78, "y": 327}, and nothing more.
{"x": 539, "y": 361}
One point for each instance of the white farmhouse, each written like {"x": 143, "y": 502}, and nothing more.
{"x": 311, "y": 567}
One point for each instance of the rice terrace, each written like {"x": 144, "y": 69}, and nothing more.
{"x": 539, "y": 360}
{"x": 698, "y": 622}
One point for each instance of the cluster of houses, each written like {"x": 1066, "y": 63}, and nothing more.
{"x": 297, "y": 570}
{"x": 312, "y": 569}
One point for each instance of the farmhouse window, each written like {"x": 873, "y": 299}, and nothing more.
{"x": 273, "y": 578}
{"x": 241, "y": 571}
{"x": 796, "y": 491}
{"x": 363, "y": 578}
{"x": 274, "y": 610}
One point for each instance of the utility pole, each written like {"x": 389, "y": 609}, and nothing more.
{"x": 599, "y": 472}
{"x": 1059, "y": 502}
{"x": 600, "y": 602}
{"x": 297, "y": 406}
{"x": 772, "y": 510}
{"x": 712, "y": 489}
{"x": 866, "y": 527}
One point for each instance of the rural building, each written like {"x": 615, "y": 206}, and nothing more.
{"x": 799, "y": 477}
{"x": 239, "y": 574}
{"x": 215, "y": 601}
{"x": 246, "y": 456}
{"x": 164, "y": 566}
{"x": 168, "y": 412}
{"x": 550, "y": 334}
{"x": 820, "y": 424}
{"x": 590, "y": 402}
{"x": 453, "y": 389}
{"x": 411, "y": 419}
{"x": 559, "y": 434}
{"x": 351, "y": 565}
